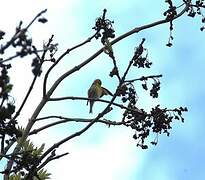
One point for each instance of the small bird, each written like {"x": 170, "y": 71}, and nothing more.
{"x": 96, "y": 91}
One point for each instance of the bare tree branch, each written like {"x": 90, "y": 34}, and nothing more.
{"x": 25, "y": 98}
{"x": 144, "y": 78}
{"x": 49, "y": 159}
{"x": 37, "y": 16}
{"x": 84, "y": 98}
{"x": 82, "y": 120}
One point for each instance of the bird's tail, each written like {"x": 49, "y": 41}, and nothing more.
{"x": 91, "y": 106}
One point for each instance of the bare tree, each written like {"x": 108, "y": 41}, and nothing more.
{"x": 26, "y": 161}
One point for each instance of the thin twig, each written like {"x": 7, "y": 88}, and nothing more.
{"x": 130, "y": 63}
{"x": 26, "y": 97}
{"x": 144, "y": 78}
{"x": 38, "y": 15}
{"x": 85, "y": 98}
{"x": 46, "y": 48}
{"x": 17, "y": 55}
{"x": 49, "y": 159}
{"x": 65, "y": 120}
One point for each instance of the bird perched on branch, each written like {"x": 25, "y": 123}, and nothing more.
{"x": 96, "y": 91}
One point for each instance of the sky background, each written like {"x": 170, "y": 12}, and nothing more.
{"x": 111, "y": 153}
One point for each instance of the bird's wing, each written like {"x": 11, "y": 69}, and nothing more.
{"x": 105, "y": 92}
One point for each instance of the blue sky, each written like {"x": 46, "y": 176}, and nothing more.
{"x": 111, "y": 153}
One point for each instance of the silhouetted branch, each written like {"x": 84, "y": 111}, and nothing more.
{"x": 26, "y": 97}
{"x": 84, "y": 98}
{"x": 49, "y": 159}
{"x": 82, "y": 120}
{"x": 37, "y": 16}
{"x": 144, "y": 78}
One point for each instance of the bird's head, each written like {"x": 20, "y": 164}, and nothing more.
{"x": 98, "y": 81}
